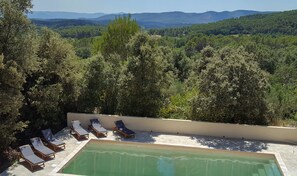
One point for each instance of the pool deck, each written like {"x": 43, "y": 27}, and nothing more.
{"x": 288, "y": 153}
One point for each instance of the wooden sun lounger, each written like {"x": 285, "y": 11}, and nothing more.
{"x": 51, "y": 140}
{"x": 39, "y": 147}
{"x": 122, "y": 129}
{"x": 28, "y": 155}
{"x": 97, "y": 128}
{"x": 78, "y": 129}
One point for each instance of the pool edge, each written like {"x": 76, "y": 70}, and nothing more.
{"x": 282, "y": 167}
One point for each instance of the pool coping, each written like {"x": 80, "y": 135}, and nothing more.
{"x": 283, "y": 169}
{"x": 67, "y": 159}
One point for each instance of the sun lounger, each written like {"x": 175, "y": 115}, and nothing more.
{"x": 122, "y": 129}
{"x": 28, "y": 155}
{"x": 78, "y": 130}
{"x": 41, "y": 149}
{"x": 51, "y": 140}
{"x": 97, "y": 128}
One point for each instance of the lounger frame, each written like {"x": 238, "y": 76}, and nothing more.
{"x": 54, "y": 146}
{"x": 72, "y": 130}
{"x": 44, "y": 156}
{"x": 116, "y": 129}
{"x": 32, "y": 165}
{"x": 97, "y": 133}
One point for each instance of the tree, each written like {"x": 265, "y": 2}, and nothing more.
{"x": 282, "y": 95}
{"x": 182, "y": 63}
{"x": 10, "y": 101}
{"x": 101, "y": 91}
{"x": 17, "y": 60}
{"x": 144, "y": 80}
{"x": 118, "y": 35}
{"x": 179, "y": 106}
{"x": 232, "y": 89}
{"x": 263, "y": 55}
{"x": 52, "y": 90}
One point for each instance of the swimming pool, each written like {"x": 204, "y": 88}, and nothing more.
{"x": 138, "y": 159}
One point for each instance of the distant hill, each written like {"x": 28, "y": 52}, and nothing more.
{"x": 61, "y": 23}
{"x": 62, "y": 15}
{"x": 182, "y": 18}
{"x": 151, "y": 20}
{"x": 275, "y": 23}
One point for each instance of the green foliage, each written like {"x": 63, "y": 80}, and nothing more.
{"x": 101, "y": 91}
{"x": 273, "y": 23}
{"x": 16, "y": 61}
{"x": 282, "y": 100}
{"x": 283, "y": 93}
{"x": 10, "y": 102}
{"x": 196, "y": 44}
{"x": 118, "y": 35}
{"x": 263, "y": 55}
{"x": 179, "y": 106}
{"x": 97, "y": 45}
{"x": 52, "y": 90}
{"x": 232, "y": 89}
{"x": 82, "y": 38}
{"x": 144, "y": 82}
{"x": 62, "y": 23}
{"x": 83, "y": 47}
{"x": 41, "y": 77}
{"x": 80, "y": 32}
{"x": 183, "y": 64}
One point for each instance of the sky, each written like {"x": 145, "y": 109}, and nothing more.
{"x": 137, "y": 6}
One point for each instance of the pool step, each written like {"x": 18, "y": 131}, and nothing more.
{"x": 275, "y": 169}
{"x": 267, "y": 170}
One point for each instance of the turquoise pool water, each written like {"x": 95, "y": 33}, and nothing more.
{"x": 129, "y": 159}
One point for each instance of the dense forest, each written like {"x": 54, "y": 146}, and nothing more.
{"x": 273, "y": 24}
{"x": 204, "y": 72}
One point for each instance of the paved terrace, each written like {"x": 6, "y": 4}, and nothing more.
{"x": 288, "y": 152}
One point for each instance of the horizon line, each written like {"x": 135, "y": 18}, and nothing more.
{"x": 156, "y": 12}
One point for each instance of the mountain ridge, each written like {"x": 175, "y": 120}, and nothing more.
{"x": 277, "y": 23}
{"x": 150, "y": 20}
{"x": 47, "y": 15}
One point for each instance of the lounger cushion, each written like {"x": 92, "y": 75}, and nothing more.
{"x": 38, "y": 145}
{"x": 48, "y": 135}
{"x": 81, "y": 131}
{"x": 26, "y": 150}
{"x": 76, "y": 127}
{"x": 96, "y": 124}
{"x": 29, "y": 155}
{"x": 34, "y": 159}
{"x": 128, "y": 131}
{"x": 45, "y": 150}
{"x": 100, "y": 129}
{"x": 121, "y": 126}
{"x": 57, "y": 142}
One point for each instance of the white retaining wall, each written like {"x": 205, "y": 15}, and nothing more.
{"x": 267, "y": 133}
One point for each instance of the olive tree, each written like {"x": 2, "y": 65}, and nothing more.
{"x": 232, "y": 88}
